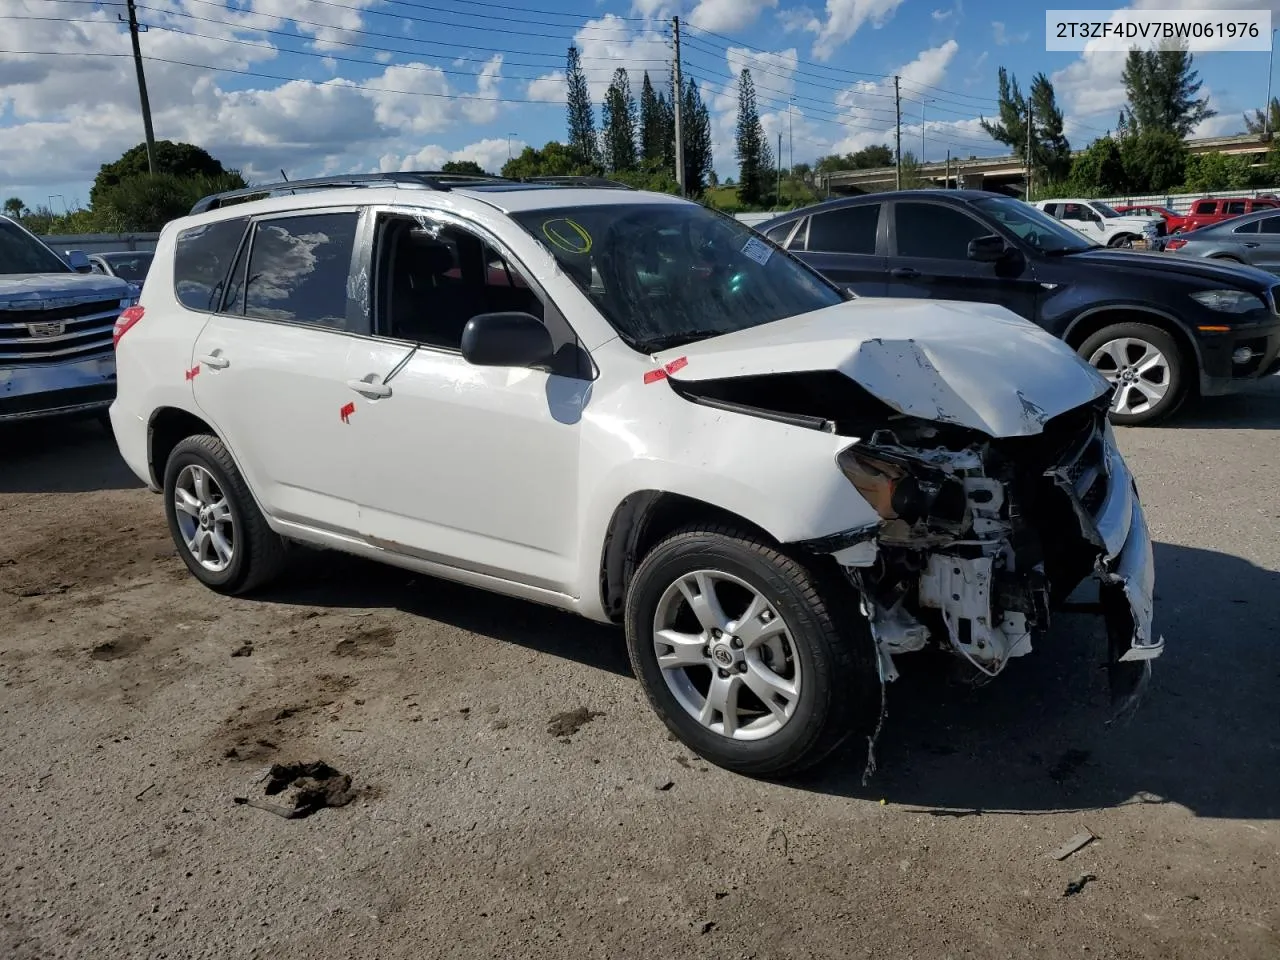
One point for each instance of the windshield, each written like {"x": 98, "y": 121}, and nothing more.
{"x": 1033, "y": 226}
{"x": 132, "y": 267}
{"x": 1103, "y": 209}
{"x": 664, "y": 274}
{"x": 22, "y": 253}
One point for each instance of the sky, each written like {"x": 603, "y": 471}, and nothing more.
{"x": 314, "y": 87}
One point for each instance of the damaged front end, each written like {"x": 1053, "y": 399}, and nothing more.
{"x": 980, "y": 538}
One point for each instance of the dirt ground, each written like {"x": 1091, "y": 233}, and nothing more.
{"x": 516, "y": 797}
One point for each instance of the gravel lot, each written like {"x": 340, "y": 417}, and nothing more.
{"x": 480, "y": 833}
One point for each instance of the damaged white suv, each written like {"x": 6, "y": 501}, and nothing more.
{"x": 628, "y": 406}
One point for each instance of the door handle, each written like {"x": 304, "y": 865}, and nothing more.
{"x": 369, "y": 388}
{"x": 1251, "y": 244}
{"x": 215, "y": 362}
{"x": 904, "y": 273}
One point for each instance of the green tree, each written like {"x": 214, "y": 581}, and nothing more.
{"x": 1011, "y": 127}
{"x": 1154, "y": 161}
{"x": 468, "y": 167}
{"x": 582, "y": 120}
{"x": 553, "y": 160}
{"x": 752, "y": 151}
{"x": 620, "y": 124}
{"x": 1257, "y": 121}
{"x": 912, "y": 178}
{"x": 146, "y": 203}
{"x": 176, "y": 159}
{"x": 14, "y": 207}
{"x": 1207, "y": 172}
{"x": 1051, "y": 151}
{"x": 698, "y": 161}
{"x": 1162, "y": 86}
{"x": 653, "y": 129}
{"x": 1099, "y": 169}
{"x": 868, "y": 158}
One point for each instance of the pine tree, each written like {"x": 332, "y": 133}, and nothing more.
{"x": 1258, "y": 121}
{"x": 1162, "y": 87}
{"x": 619, "y": 132}
{"x": 752, "y": 151}
{"x": 1011, "y": 128}
{"x": 652, "y": 127}
{"x": 698, "y": 161}
{"x": 1052, "y": 152}
{"x": 582, "y": 121}
{"x": 667, "y": 113}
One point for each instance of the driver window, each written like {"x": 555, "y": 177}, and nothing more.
{"x": 434, "y": 277}
{"x": 1073, "y": 211}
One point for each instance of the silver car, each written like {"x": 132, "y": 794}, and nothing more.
{"x": 1253, "y": 238}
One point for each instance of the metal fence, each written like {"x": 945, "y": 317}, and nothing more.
{"x": 1181, "y": 202}
{"x": 102, "y": 242}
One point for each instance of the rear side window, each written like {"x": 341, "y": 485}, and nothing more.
{"x": 201, "y": 259}
{"x": 1270, "y": 225}
{"x": 1251, "y": 227}
{"x": 298, "y": 268}
{"x": 1234, "y": 206}
{"x": 934, "y": 231}
{"x": 1206, "y": 206}
{"x": 851, "y": 230}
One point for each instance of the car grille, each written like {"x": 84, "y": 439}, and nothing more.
{"x": 57, "y": 335}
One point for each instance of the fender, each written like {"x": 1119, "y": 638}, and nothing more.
{"x": 1136, "y": 308}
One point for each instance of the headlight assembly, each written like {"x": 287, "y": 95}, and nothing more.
{"x": 1229, "y": 301}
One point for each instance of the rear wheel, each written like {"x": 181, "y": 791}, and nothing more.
{"x": 219, "y": 531}
{"x": 743, "y": 656}
{"x": 1145, "y": 365}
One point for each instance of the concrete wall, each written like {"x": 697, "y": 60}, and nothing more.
{"x": 102, "y": 242}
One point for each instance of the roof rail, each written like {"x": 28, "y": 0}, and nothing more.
{"x": 579, "y": 182}
{"x": 431, "y": 179}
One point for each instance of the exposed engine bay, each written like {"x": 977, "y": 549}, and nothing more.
{"x": 980, "y": 538}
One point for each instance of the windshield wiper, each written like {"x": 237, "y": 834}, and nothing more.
{"x": 667, "y": 341}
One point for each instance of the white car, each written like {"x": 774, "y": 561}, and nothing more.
{"x": 1100, "y": 223}
{"x": 628, "y": 406}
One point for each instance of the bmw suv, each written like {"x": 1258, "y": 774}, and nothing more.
{"x": 627, "y": 406}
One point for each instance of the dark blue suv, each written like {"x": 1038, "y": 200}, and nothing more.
{"x": 1160, "y": 327}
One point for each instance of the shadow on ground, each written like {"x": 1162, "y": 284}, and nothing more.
{"x": 61, "y": 455}
{"x": 1256, "y": 408}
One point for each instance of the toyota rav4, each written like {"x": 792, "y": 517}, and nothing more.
{"x": 628, "y": 406}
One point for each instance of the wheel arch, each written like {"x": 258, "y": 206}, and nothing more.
{"x": 1091, "y": 321}
{"x": 640, "y": 521}
{"x": 167, "y": 427}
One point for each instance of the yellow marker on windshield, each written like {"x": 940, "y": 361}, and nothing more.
{"x": 568, "y": 235}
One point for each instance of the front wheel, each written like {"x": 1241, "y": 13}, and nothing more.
{"x": 1145, "y": 365}
{"x": 743, "y": 656}
{"x": 1123, "y": 240}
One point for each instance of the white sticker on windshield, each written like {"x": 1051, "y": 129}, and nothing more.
{"x": 758, "y": 250}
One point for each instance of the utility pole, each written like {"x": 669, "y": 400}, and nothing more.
{"x": 923, "y": 128}
{"x": 142, "y": 85}
{"x": 791, "y": 139}
{"x": 778, "y": 200}
{"x": 1030, "y": 130}
{"x": 897, "y": 104}
{"x": 948, "y": 168}
{"x": 1266, "y": 111}
{"x": 679, "y": 107}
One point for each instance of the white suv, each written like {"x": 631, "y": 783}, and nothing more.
{"x": 626, "y": 405}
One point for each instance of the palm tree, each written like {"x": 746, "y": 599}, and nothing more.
{"x": 15, "y": 208}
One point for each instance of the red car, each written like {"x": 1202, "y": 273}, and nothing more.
{"x": 1205, "y": 212}
{"x": 1173, "y": 222}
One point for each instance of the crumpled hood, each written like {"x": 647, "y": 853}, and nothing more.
{"x": 972, "y": 364}
{"x": 48, "y": 291}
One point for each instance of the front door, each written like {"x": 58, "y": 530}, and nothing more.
{"x": 930, "y": 258}
{"x": 269, "y": 369}
{"x": 1267, "y": 253}
{"x": 476, "y": 467}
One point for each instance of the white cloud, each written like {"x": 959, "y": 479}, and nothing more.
{"x": 655, "y": 9}
{"x": 728, "y": 14}
{"x": 844, "y": 18}
{"x": 331, "y": 25}
{"x": 1003, "y": 37}
{"x": 491, "y": 154}
{"x": 549, "y": 89}
{"x": 604, "y": 45}
{"x": 481, "y": 110}
{"x": 941, "y": 15}
{"x": 867, "y": 107}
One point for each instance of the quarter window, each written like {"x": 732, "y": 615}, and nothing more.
{"x": 1251, "y": 227}
{"x": 779, "y": 234}
{"x": 851, "y": 230}
{"x": 935, "y": 231}
{"x": 201, "y": 259}
{"x": 298, "y": 268}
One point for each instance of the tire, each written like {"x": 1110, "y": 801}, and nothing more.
{"x": 256, "y": 553}
{"x": 823, "y": 651}
{"x": 1143, "y": 400}
{"x": 1228, "y": 259}
{"x": 1122, "y": 240}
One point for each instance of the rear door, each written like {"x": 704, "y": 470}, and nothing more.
{"x": 846, "y": 245}
{"x": 270, "y": 366}
{"x": 929, "y": 258}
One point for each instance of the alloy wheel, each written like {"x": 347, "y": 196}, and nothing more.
{"x": 1139, "y": 371}
{"x": 204, "y": 518}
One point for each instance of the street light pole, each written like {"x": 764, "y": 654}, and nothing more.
{"x": 1266, "y": 110}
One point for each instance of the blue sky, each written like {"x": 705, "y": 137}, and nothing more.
{"x": 319, "y": 86}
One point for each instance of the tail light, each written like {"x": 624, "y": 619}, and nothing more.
{"x": 125, "y": 322}
{"x": 1175, "y": 243}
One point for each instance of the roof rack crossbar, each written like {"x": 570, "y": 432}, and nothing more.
{"x": 576, "y": 181}
{"x": 434, "y": 180}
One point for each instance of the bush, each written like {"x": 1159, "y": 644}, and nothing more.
{"x": 1209, "y": 172}
{"x": 145, "y": 203}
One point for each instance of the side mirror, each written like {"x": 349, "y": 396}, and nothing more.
{"x": 78, "y": 261}
{"x": 989, "y": 249}
{"x": 506, "y": 340}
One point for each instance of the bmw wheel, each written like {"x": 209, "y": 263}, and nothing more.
{"x": 745, "y": 657}
{"x": 1144, "y": 364}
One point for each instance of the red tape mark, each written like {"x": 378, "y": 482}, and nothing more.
{"x": 193, "y": 372}
{"x": 346, "y": 412}
{"x": 653, "y": 376}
